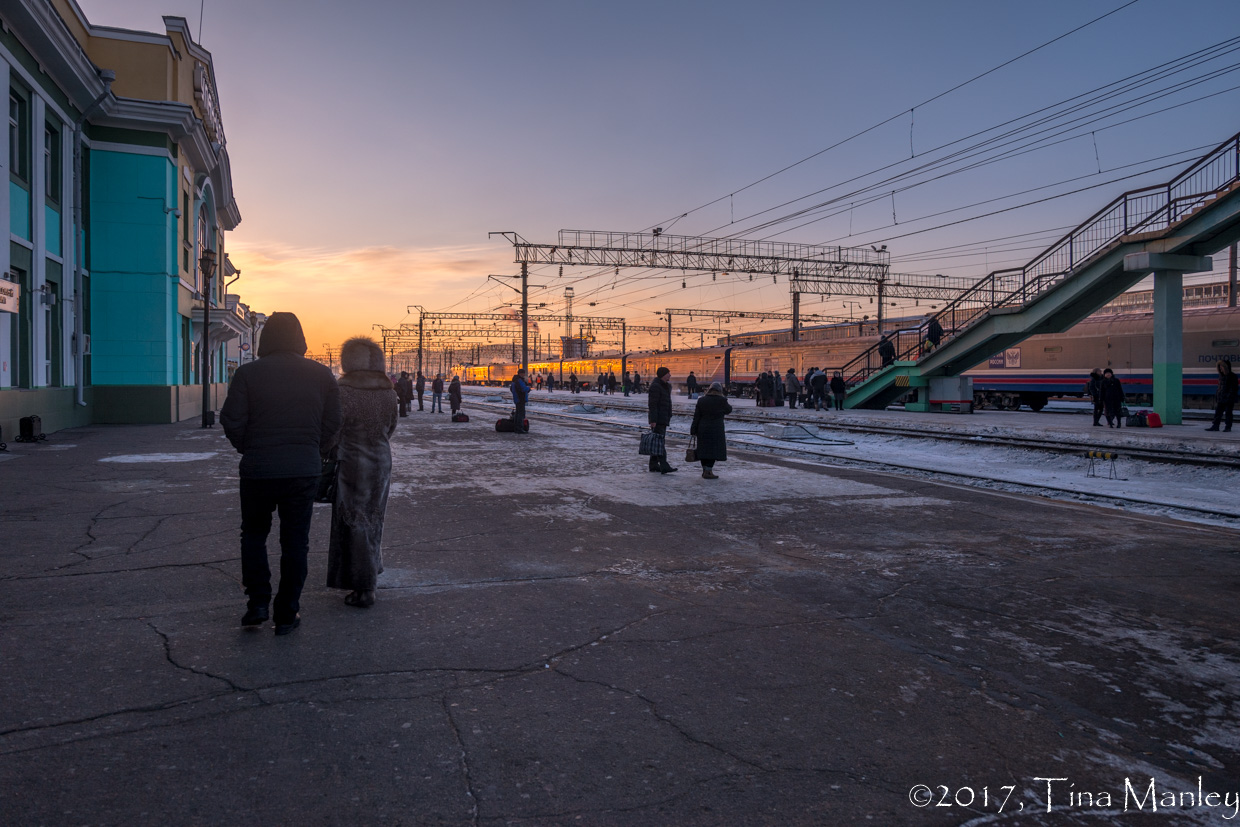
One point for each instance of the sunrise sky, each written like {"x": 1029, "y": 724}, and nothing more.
{"x": 374, "y": 144}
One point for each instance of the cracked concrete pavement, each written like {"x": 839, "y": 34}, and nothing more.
{"x": 564, "y": 638}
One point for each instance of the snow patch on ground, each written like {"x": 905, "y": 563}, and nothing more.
{"x": 137, "y": 458}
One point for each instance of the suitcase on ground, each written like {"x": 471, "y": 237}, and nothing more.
{"x": 1136, "y": 420}
{"x": 508, "y": 426}
{"x": 460, "y": 417}
{"x": 30, "y": 429}
{"x": 1153, "y": 420}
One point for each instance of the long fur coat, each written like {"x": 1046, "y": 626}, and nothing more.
{"x": 368, "y": 413}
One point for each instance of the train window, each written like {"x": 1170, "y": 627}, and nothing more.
{"x": 1225, "y": 343}
{"x": 1055, "y": 349}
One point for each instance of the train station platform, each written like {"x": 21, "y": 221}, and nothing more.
{"x": 562, "y": 637}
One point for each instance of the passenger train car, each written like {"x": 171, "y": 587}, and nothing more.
{"x": 1040, "y": 367}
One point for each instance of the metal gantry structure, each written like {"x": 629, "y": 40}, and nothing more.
{"x": 810, "y": 268}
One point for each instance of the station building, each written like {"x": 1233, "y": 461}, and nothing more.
{"x": 115, "y": 139}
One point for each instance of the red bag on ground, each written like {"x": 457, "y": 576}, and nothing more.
{"x": 1153, "y": 420}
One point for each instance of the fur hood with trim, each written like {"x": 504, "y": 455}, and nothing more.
{"x": 362, "y": 353}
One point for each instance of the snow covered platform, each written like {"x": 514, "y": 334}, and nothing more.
{"x": 562, "y": 636}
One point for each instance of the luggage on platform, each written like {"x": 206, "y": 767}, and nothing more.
{"x": 460, "y": 417}
{"x": 507, "y": 425}
{"x": 1153, "y": 420}
{"x": 1137, "y": 420}
{"x": 30, "y": 429}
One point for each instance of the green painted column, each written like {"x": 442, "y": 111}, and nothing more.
{"x": 1169, "y": 346}
{"x": 1168, "y": 270}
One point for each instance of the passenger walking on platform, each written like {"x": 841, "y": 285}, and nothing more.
{"x": 520, "y": 393}
{"x": 538, "y": 380}
{"x": 886, "y": 350}
{"x": 637, "y": 382}
{"x": 437, "y": 393}
{"x": 708, "y": 427}
{"x": 659, "y": 408}
{"x": 1093, "y": 389}
{"x": 600, "y": 383}
{"x": 550, "y": 383}
{"x": 420, "y": 386}
{"x": 572, "y": 383}
{"x": 454, "y": 395}
{"x": 819, "y": 382}
{"x": 404, "y": 392}
{"x": 626, "y": 382}
{"x": 363, "y": 477}
{"x": 1225, "y": 397}
{"x": 792, "y": 388}
{"x": 282, "y": 414}
{"x": 839, "y": 389}
{"x": 611, "y": 383}
{"x": 691, "y": 384}
{"x": 1112, "y": 398}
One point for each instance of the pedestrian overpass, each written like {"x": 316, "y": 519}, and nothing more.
{"x": 1165, "y": 230}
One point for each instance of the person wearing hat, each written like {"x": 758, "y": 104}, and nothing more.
{"x": 659, "y": 406}
{"x": 712, "y": 445}
{"x": 282, "y": 414}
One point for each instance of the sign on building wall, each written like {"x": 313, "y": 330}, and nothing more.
{"x": 10, "y": 296}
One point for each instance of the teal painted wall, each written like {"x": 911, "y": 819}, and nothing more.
{"x": 51, "y": 219}
{"x": 134, "y": 321}
{"x": 19, "y": 211}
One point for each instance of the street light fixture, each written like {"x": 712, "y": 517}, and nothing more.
{"x": 206, "y": 266}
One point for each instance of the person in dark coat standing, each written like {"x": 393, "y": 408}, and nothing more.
{"x": 404, "y": 392}
{"x": 637, "y": 382}
{"x": 792, "y": 387}
{"x": 611, "y": 383}
{"x": 572, "y": 383}
{"x": 819, "y": 384}
{"x": 1112, "y": 398}
{"x": 839, "y": 389}
{"x": 283, "y": 415}
{"x": 437, "y": 393}
{"x": 659, "y": 407}
{"x": 1093, "y": 389}
{"x": 691, "y": 384}
{"x": 420, "y": 385}
{"x": 364, "y": 473}
{"x": 886, "y": 350}
{"x": 454, "y": 394}
{"x": 712, "y": 443}
{"x": 520, "y": 393}
{"x": 1225, "y": 396}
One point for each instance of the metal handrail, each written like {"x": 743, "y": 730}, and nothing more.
{"x": 1154, "y": 209}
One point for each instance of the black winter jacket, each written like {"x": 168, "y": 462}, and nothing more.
{"x": 282, "y": 414}
{"x": 659, "y": 403}
{"x": 708, "y": 427}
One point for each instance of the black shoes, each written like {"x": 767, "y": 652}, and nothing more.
{"x": 1213, "y": 428}
{"x": 664, "y": 468}
{"x": 286, "y": 628}
{"x": 255, "y": 616}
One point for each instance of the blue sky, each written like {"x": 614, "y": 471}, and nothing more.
{"x": 374, "y": 144}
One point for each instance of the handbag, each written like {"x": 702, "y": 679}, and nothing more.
{"x": 691, "y": 451}
{"x": 652, "y": 445}
{"x": 328, "y": 473}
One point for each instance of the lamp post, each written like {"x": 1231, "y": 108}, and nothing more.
{"x": 206, "y": 266}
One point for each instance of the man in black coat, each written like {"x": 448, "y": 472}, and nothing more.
{"x": 282, "y": 414}
{"x": 420, "y": 386}
{"x": 886, "y": 351}
{"x": 659, "y": 407}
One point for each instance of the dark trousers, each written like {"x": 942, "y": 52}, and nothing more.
{"x": 420, "y": 401}
{"x": 404, "y": 406}
{"x": 1224, "y": 412}
{"x": 293, "y": 498}
{"x": 1097, "y": 411}
{"x": 519, "y": 418}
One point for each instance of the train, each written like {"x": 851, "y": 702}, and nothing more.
{"x": 1042, "y": 367}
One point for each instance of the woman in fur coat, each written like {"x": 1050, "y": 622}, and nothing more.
{"x": 368, "y": 413}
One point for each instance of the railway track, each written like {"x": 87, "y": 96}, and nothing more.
{"x": 833, "y": 451}
{"x": 1062, "y": 446}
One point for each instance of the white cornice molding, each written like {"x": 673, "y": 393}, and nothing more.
{"x": 41, "y": 31}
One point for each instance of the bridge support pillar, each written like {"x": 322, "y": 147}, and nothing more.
{"x": 1168, "y": 363}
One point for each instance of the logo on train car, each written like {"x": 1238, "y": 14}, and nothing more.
{"x": 1009, "y": 358}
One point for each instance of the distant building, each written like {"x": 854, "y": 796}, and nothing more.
{"x": 109, "y": 329}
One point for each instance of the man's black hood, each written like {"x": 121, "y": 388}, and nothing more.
{"x": 282, "y": 333}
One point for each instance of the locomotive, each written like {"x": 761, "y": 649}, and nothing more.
{"x": 1028, "y": 374}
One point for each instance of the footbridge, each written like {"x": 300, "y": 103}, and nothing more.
{"x": 1165, "y": 230}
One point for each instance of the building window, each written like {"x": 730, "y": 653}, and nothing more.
{"x": 51, "y": 164}
{"x": 19, "y": 121}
